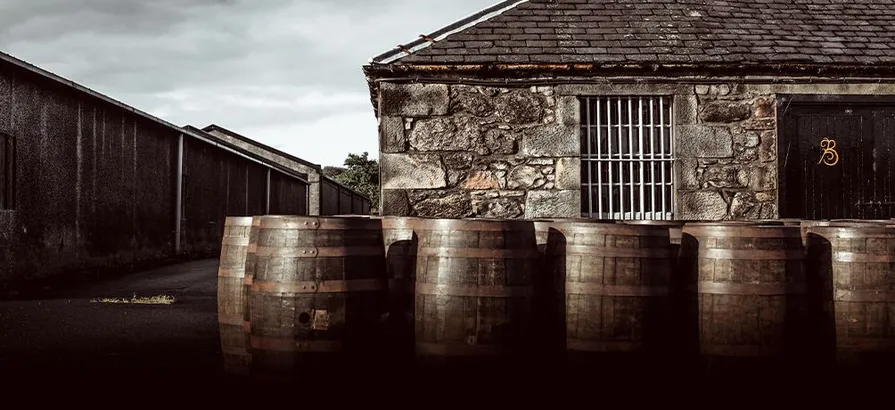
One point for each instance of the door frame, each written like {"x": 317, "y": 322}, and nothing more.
{"x": 785, "y": 100}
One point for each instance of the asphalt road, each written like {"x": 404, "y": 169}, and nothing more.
{"x": 69, "y": 339}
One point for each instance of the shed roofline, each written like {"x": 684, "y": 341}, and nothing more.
{"x": 207, "y": 138}
{"x": 215, "y": 127}
{"x": 423, "y": 42}
{"x": 200, "y": 134}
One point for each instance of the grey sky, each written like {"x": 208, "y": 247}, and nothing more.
{"x": 284, "y": 72}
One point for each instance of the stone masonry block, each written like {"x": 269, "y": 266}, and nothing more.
{"x": 701, "y": 205}
{"x": 391, "y": 135}
{"x": 394, "y": 202}
{"x": 551, "y": 141}
{"x": 553, "y": 204}
{"x": 412, "y": 171}
{"x": 568, "y": 173}
{"x": 414, "y": 100}
{"x": 700, "y": 141}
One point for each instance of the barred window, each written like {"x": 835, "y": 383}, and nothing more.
{"x": 7, "y": 172}
{"x": 627, "y": 158}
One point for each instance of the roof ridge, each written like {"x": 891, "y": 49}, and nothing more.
{"x": 262, "y": 145}
{"x": 404, "y": 50}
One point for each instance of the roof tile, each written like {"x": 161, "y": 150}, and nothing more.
{"x": 675, "y": 31}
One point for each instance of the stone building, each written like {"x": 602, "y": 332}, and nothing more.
{"x": 661, "y": 109}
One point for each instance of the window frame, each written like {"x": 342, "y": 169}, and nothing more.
{"x": 597, "y": 199}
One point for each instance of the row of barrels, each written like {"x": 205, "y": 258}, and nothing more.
{"x": 300, "y": 293}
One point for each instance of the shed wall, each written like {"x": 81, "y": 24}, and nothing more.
{"x": 95, "y": 184}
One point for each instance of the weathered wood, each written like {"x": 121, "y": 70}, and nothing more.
{"x": 616, "y": 282}
{"x": 318, "y": 294}
{"x": 474, "y": 292}
{"x": 400, "y": 253}
{"x": 750, "y": 294}
{"x": 857, "y": 263}
{"x": 231, "y": 295}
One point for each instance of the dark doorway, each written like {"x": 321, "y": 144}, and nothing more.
{"x": 834, "y": 155}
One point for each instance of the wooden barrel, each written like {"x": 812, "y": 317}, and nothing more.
{"x": 750, "y": 295}
{"x": 857, "y": 265}
{"x": 231, "y": 294}
{"x": 475, "y": 293}
{"x": 615, "y": 280}
{"x": 318, "y": 294}
{"x": 400, "y": 253}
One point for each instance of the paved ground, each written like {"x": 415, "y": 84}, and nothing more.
{"x": 65, "y": 341}
{"x": 68, "y": 338}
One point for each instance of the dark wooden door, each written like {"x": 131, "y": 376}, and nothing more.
{"x": 835, "y": 159}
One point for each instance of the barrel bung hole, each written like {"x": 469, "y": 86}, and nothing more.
{"x": 304, "y": 318}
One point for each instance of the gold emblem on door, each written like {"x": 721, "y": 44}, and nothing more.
{"x": 829, "y": 156}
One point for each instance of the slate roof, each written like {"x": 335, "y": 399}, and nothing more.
{"x": 817, "y": 32}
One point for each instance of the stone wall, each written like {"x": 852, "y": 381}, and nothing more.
{"x": 457, "y": 151}
{"x": 726, "y": 154}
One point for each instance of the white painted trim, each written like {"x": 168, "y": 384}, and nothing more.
{"x": 425, "y": 44}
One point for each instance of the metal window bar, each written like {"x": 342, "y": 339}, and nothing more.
{"x": 641, "y": 194}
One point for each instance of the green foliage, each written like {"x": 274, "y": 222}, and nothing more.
{"x": 332, "y": 172}
{"x": 361, "y": 174}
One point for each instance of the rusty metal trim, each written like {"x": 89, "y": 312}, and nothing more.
{"x": 599, "y": 289}
{"x": 863, "y": 257}
{"x": 598, "y": 251}
{"x": 750, "y": 289}
{"x": 231, "y": 273}
{"x": 494, "y": 225}
{"x": 231, "y": 320}
{"x": 752, "y": 254}
{"x": 235, "y": 351}
{"x": 866, "y": 343}
{"x": 323, "y": 252}
{"x": 478, "y": 253}
{"x": 841, "y": 295}
{"x": 602, "y": 346}
{"x": 327, "y": 286}
{"x": 742, "y": 231}
{"x": 438, "y": 349}
{"x": 482, "y": 291}
{"x": 612, "y": 229}
{"x": 400, "y": 223}
{"x": 711, "y": 349}
{"x": 292, "y": 345}
{"x": 852, "y": 232}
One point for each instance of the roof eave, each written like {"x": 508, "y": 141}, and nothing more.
{"x": 425, "y": 41}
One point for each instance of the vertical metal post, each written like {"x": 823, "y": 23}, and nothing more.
{"x": 590, "y": 172}
{"x": 631, "y": 175}
{"x": 178, "y": 208}
{"x": 599, "y": 162}
{"x": 642, "y": 180}
{"x": 652, "y": 164}
{"x": 662, "y": 151}
{"x": 267, "y": 194}
{"x": 609, "y": 156}
{"x": 621, "y": 162}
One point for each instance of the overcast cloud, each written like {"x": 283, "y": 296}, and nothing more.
{"x": 284, "y": 72}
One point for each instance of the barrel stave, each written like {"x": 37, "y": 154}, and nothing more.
{"x": 751, "y": 294}
{"x": 318, "y": 292}
{"x": 474, "y": 291}
{"x": 231, "y": 296}
{"x": 616, "y": 285}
